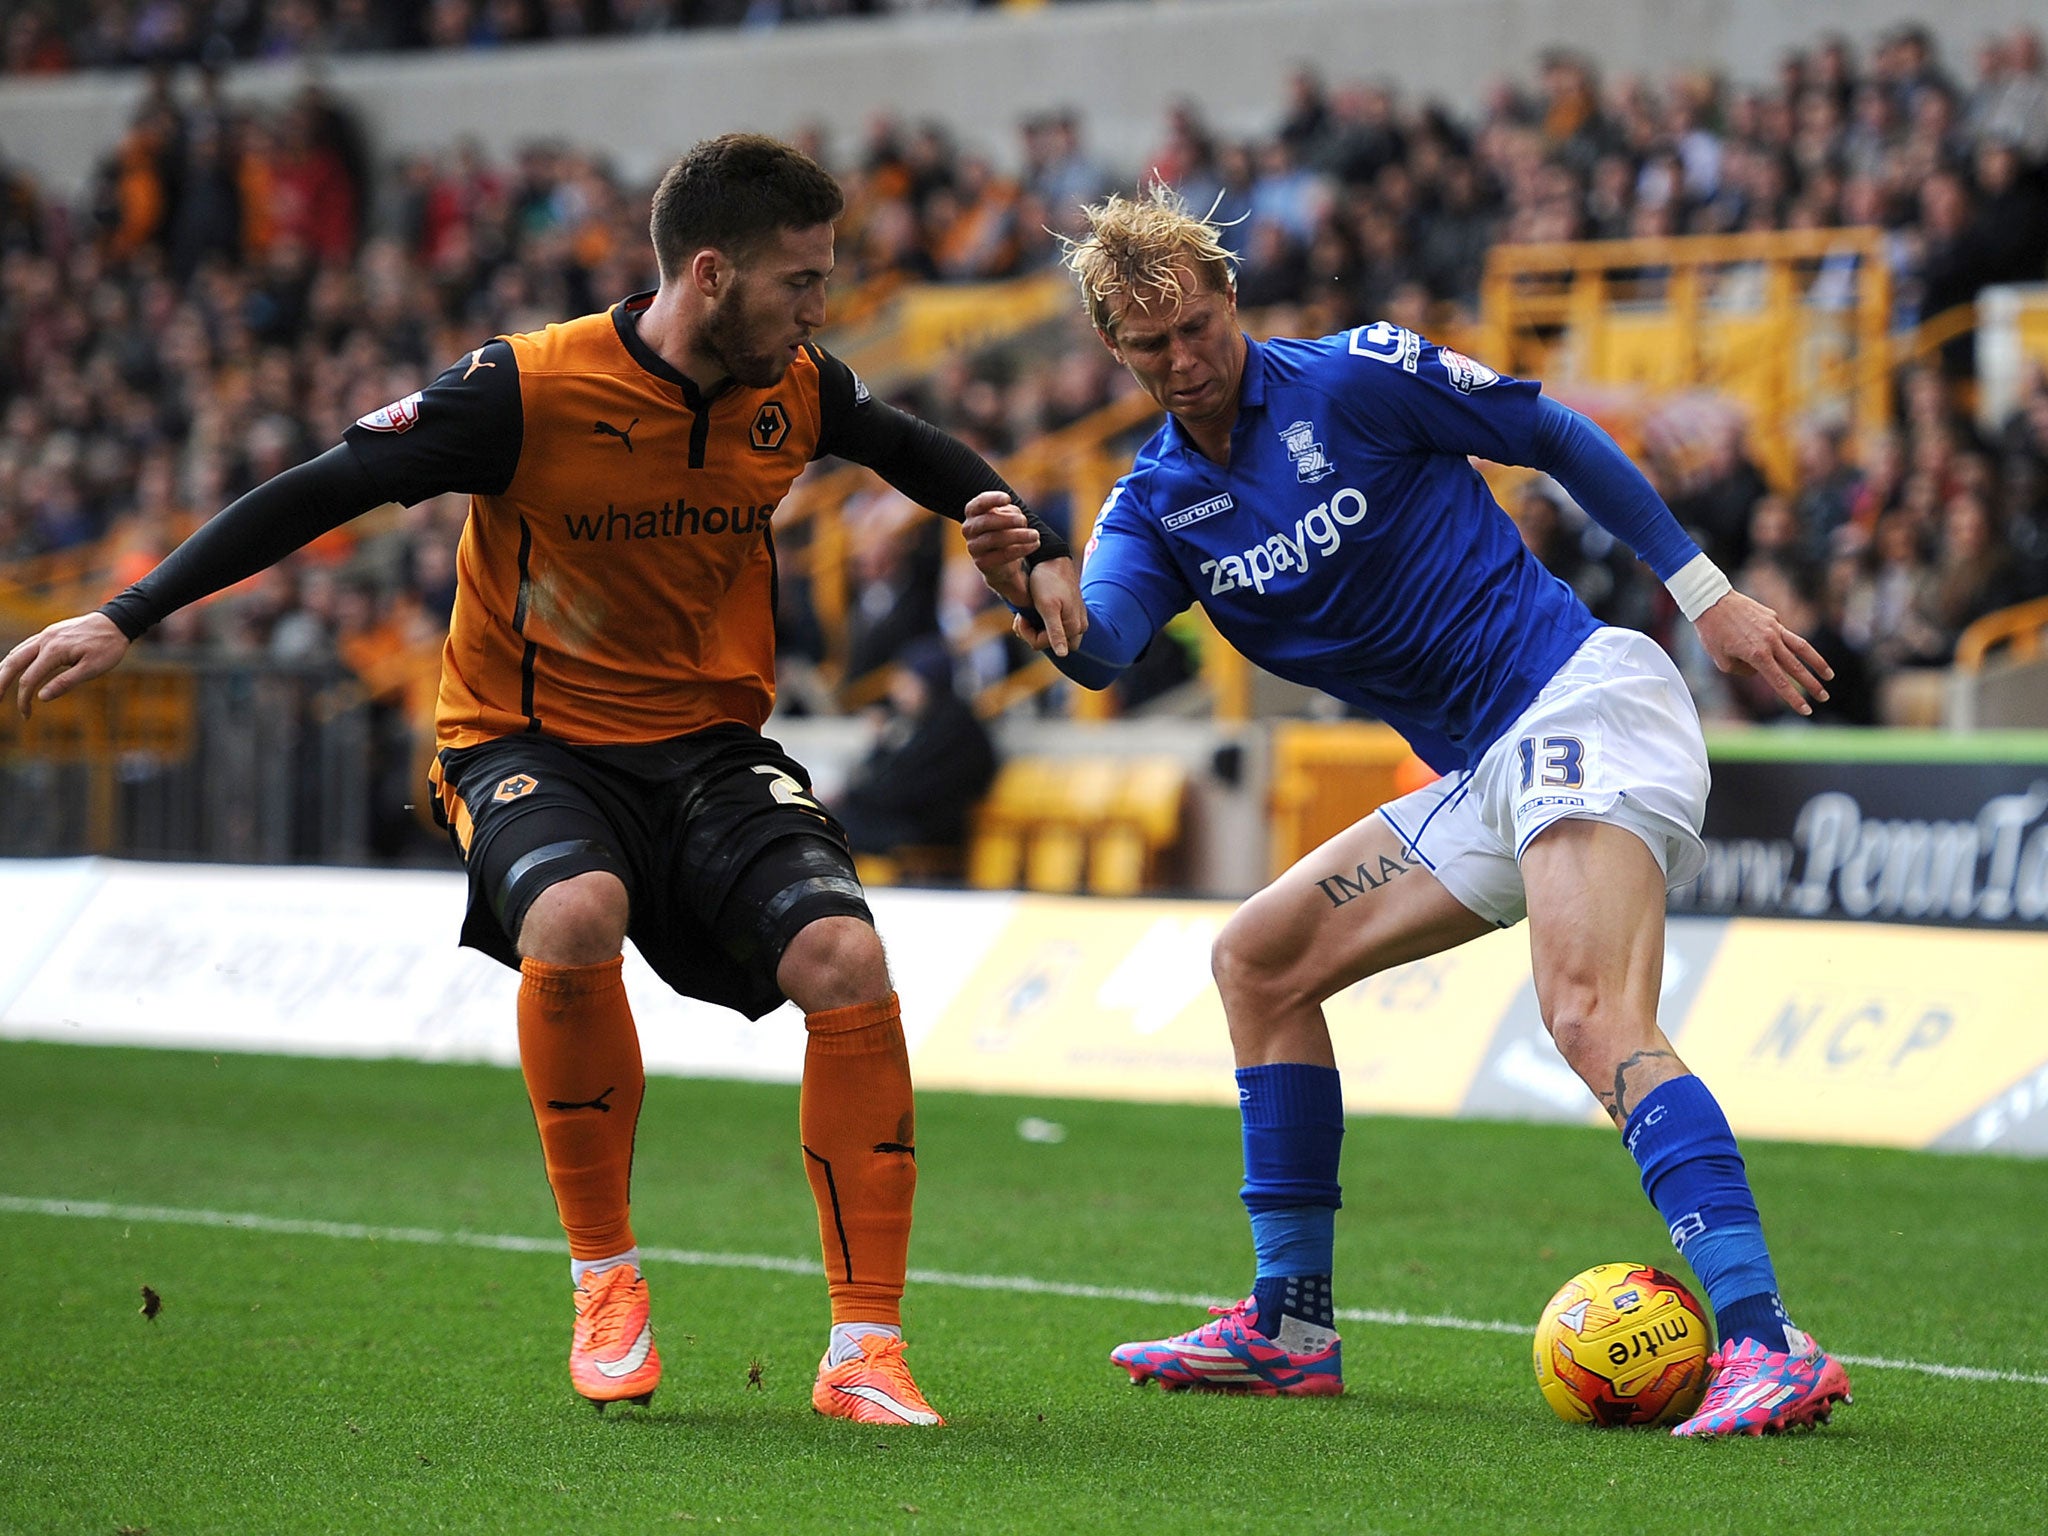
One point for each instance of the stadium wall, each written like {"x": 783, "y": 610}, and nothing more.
{"x": 1121, "y": 63}
{"x": 1852, "y": 1033}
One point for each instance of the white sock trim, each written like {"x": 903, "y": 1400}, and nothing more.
{"x": 578, "y": 1268}
{"x": 845, "y": 1342}
{"x": 1697, "y": 585}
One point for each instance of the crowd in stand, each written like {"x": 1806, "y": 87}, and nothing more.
{"x": 243, "y": 283}
{"x": 54, "y": 36}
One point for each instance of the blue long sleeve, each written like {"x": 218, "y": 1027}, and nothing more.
{"x": 1589, "y": 464}
{"x": 1118, "y": 632}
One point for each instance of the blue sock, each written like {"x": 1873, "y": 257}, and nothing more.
{"x": 1694, "y": 1175}
{"x": 1293, "y": 1141}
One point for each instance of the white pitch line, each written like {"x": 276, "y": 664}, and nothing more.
{"x": 1016, "y": 1285}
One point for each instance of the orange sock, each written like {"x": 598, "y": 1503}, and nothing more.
{"x": 859, "y": 1137}
{"x": 581, "y": 1057}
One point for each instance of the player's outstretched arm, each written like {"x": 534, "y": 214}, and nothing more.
{"x": 1743, "y": 637}
{"x": 49, "y": 665}
{"x": 1741, "y": 634}
{"x": 253, "y": 533}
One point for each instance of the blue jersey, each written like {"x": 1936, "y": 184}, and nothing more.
{"x": 1349, "y": 545}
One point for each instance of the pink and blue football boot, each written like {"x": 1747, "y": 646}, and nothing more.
{"x": 1756, "y": 1390}
{"x": 1231, "y": 1355}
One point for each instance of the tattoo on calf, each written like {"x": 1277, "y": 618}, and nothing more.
{"x": 1341, "y": 888}
{"x": 1616, "y": 1104}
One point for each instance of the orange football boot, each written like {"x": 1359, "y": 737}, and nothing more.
{"x": 611, "y": 1355}
{"x": 874, "y": 1387}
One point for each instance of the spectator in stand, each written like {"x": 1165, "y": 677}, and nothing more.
{"x": 1060, "y": 171}
{"x": 895, "y": 587}
{"x": 2023, "y": 483}
{"x": 1306, "y": 121}
{"x": 1884, "y": 614}
{"x": 932, "y": 760}
{"x": 1775, "y": 537}
{"x": 216, "y": 251}
{"x": 1716, "y": 500}
{"x": 1973, "y": 576}
{"x": 1828, "y": 488}
{"x": 2011, "y": 103}
{"x": 2011, "y": 218}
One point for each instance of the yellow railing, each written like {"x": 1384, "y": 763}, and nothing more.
{"x": 1732, "y": 312}
{"x": 1328, "y": 774}
{"x": 907, "y": 330}
{"x": 2016, "y": 634}
{"x": 145, "y": 710}
{"x": 1735, "y": 313}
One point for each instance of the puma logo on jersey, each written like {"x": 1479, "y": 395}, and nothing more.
{"x": 597, "y": 1103}
{"x": 623, "y": 434}
{"x": 476, "y": 361}
{"x": 1320, "y": 531}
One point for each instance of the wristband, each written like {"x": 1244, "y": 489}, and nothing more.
{"x": 1697, "y": 585}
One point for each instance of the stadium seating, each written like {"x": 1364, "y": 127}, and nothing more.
{"x": 1104, "y": 824}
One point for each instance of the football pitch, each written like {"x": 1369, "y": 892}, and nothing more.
{"x": 380, "y": 1346}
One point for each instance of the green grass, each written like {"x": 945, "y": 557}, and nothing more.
{"x": 305, "y": 1384}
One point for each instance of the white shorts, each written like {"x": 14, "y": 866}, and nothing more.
{"x": 1613, "y": 737}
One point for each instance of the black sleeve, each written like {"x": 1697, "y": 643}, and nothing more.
{"x": 925, "y": 464}
{"x": 256, "y": 531}
{"x": 461, "y": 433}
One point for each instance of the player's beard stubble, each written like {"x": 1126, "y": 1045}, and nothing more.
{"x": 730, "y": 337}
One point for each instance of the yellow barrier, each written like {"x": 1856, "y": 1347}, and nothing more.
{"x": 2015, "y": 633}
{"x": 142, "y": 710}
{"x": 1059, "y": 824}
{"x": 911, "y": 330}
{"x": 1736, "y": 313}
{"x": 1836, "y": 1032}
{"x": 1328, "y": 775}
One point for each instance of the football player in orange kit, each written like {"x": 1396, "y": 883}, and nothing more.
{"x": 609, "y": 666}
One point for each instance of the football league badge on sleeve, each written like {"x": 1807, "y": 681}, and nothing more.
{"x": 398, "y": 416}
{"x": 1466, "y": 374}
{"x": 1310, "y": 462}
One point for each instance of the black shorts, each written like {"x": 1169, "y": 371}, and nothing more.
{"x": 724, "y": 854}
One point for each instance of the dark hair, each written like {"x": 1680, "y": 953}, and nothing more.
{"x": 735, "y": 191}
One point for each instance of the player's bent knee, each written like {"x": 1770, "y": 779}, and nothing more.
{"x": 1594, "y": 1040}
{"x": 578, "y": 921}
{"x": 1253, "y": 963}
{"x": 834, "y": 962}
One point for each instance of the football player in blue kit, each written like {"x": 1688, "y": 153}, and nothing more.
{"x": 1317, "y": 499}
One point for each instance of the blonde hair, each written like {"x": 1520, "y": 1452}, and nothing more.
{"x": 1136, "y": 247}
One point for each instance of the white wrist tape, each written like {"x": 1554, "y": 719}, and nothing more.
{"x": 1697, "y": 585}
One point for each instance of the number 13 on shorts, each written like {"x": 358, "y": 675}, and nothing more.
{"x": 1562, "y": 760}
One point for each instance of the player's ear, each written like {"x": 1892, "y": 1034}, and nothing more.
{"x": 709, "y": 272}
{"x": 1109, "y": 341}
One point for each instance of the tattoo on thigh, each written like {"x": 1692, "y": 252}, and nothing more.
{"x": 1617, "y": 1104}
{"x": 1341, "y": 888}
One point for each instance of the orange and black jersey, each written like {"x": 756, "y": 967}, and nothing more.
{"x": 616, "y": 576}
